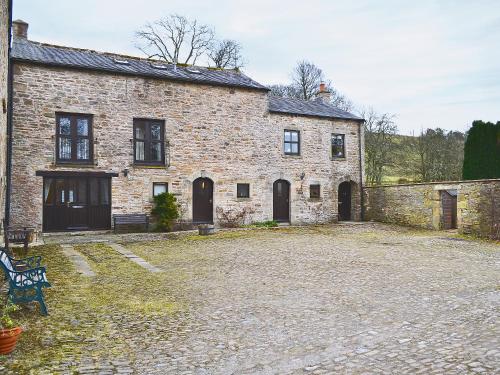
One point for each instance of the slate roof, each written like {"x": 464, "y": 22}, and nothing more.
{"x": 46, "y": 54}
{"x": 316, "y": 108}
{"x": 26, "y": 50}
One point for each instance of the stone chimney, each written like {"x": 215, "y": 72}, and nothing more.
{"x": 323, "y": 93}
{"x": 20, "y": 29}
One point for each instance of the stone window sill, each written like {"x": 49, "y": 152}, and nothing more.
{"x": 338, "y": 158}
{"x": 314, "y": 200}
{"x": 74, "y": 165}
{"x": 240, "y": 199}
{"x": 146, "y": 166}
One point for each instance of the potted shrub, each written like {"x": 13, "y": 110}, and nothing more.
{"x": 206, "y": 229}
{"x": 9, "y": 330}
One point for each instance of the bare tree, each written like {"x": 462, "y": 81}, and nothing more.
{"x": 440, "y": 155}
{"x": 380, "y": 131}
{"x": 285, "y": 91}
{"x": 175, "y": 39}
{"x": 226, "y": 54}
{"x": 340, "y": 100}
{"x": 306, "y": 78}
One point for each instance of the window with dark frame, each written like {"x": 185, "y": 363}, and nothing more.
{"x": 159, "y": 188}
{"x": 292, "y": 142}
{"x": 149, "y": 145}
{"x": 338, "y": 145}
{"x": 314, "y": 191}
{"x": 243, "y": 190}
{"x": 74, "y": 138}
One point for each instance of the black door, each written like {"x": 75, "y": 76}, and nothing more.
{"x": 281, "y": 201}
{"x": 69, "y": 203}
{"x": 76, "y": 203}
{"x": 345, "y": 201}
{"x": 203, "y": 200}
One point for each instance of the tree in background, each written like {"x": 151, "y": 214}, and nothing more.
{"x": 482, "y": 151}
{"x": 177, "y": 39}
{"x": 440, "y": 155}
{"x": 226, "y": 54}
{"x": 306, "y": 78}
{"x": 380, "y": 143}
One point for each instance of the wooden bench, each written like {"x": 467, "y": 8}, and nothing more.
{"x": 26, "y": 279}
{"x": 18, "y": 236}
{"x": 131, "y": 219}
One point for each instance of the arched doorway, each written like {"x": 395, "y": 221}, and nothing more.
{"x": 203, "y": 200}
{"x": 281, "y": 201}
{"x": 344, "y": 201}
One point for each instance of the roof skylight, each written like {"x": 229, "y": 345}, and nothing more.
{"x": 159, "y": 66}
{"x": 121, "y": 62}
{"x": 194, "y": 71}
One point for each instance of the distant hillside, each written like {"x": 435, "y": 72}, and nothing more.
{"x": 437, "y": 156}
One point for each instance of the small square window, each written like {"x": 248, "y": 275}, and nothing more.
{"x": 159, "y": 188}
{"x": 338, "y": 145}
{"x": 243, "y": 190}
{"x": 314, "y": 191}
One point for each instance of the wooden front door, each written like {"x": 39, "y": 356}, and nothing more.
{"x": 449, "y": 210}
{"x": 203, "y": 201}
{"x": 76, "y": 203}
{"x": 344, "y": 201}
{"x": 281, "y": 201}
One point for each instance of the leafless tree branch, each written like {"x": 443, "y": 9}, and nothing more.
{"x": 306, "y": 78}
{"x": 226, "y": 54}
{"x": 174, "y": 38}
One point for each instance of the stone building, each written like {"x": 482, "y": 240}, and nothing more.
{"x": 96, "y": 134}
{"x": 5, "y": 22}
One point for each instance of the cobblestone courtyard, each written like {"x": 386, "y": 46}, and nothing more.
{"x": 355, "y": 298}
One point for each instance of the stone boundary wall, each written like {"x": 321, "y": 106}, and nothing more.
{"x": 419, "y": 205}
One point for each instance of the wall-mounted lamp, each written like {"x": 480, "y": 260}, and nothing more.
{"x": 302, "y": 175}
{"x": 125, "y": 172}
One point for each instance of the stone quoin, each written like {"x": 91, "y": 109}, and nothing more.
{"x": 5, "y": 17}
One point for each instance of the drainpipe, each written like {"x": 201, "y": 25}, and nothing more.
{"x": 10, "y": 74}
{"x": 361, "y": 170}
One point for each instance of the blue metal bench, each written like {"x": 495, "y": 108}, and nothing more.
{"x": 26, "y": 279}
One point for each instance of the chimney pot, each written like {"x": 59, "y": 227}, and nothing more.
{"x": 20, "y": 29}
{"x": 323, "y": 93}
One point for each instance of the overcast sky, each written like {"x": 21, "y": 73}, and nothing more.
{"x": 432, "y": 63}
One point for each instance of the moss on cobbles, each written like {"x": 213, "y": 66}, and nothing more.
{"x": 84, "y": 312}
